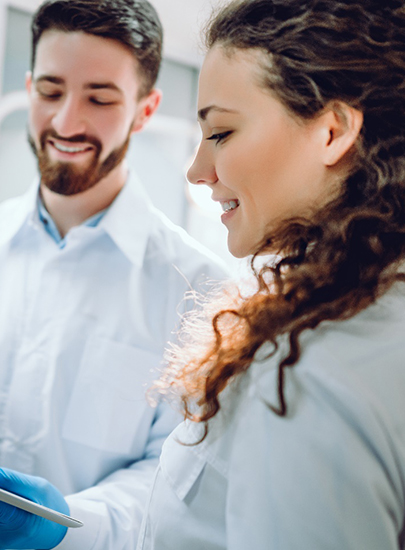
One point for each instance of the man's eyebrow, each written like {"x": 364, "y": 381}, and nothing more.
{"x": 90, "y": 86}
{"x": 103, "y": 86}
{"x": 49, "y": 78}
{"x": 203, "y": 113}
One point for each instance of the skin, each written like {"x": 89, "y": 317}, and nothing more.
{"x": 85, "y": 85}
{"x": 255, "y": 153}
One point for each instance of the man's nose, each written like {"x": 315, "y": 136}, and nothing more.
{"x": 69, "y": 120}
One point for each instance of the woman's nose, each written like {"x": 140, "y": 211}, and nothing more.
{"x": 202, "y": 170}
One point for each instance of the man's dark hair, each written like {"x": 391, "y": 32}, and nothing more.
{"x": 133, "y": 23}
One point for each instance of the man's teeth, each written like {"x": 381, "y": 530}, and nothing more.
{"x": 228, "y": 206}
{"x": 65, "y": 149}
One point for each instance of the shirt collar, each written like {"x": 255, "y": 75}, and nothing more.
{"x": 128, "y": 221}
{"x": 17, "y": 212}
{"x": 51, "y": 228}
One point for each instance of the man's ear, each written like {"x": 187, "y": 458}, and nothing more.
{"x": 28, "y": 81}
{"x": 147, "y": 106}
{"x": 341, "y": 128}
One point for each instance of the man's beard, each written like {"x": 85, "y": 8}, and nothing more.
{"x": 66, "y": 178}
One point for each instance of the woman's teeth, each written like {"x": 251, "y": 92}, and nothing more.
{"x": 228, "y": 206}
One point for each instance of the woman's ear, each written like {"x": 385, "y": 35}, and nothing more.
{"x": 146, "y": 108}
{"x": 341, "y": 125}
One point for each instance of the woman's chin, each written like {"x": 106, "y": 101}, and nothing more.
{"x": 237, "y": 250}
{"x": 240, "y": 250}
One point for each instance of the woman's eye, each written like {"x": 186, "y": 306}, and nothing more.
{"x": 219, "y": 137}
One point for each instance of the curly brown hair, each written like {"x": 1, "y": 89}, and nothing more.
{"x": 341, "y": 260}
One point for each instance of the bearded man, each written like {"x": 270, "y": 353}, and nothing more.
{"x": 92, "y": 280}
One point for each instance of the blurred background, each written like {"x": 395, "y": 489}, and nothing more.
{"x": 161, "y": 154}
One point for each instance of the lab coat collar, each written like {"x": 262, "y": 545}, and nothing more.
{"x": 128, "y": 220}
{"x": 16, "y": 212}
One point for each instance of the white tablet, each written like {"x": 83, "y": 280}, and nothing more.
{"x": 38, "y": 509}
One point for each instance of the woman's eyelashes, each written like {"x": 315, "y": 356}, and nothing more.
{"x": 219, "y": 136}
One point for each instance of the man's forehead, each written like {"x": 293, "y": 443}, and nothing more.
{"x": 55, "y": 43}
{"x": 96, "y": 61}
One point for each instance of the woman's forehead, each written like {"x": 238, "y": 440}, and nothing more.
{"x": 229, "y": 75}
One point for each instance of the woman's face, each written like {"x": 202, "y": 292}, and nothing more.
{"x": 262, "y": 164}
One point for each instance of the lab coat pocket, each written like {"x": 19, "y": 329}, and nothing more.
{"x": 180, "y": 464}
{"x": 108, "y": 409}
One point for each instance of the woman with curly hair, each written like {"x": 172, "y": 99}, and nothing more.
{"x": 294, "y": 392}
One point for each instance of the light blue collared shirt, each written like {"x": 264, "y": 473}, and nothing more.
{"x": 50, "y": 225}
{"x": 82, "y": 334}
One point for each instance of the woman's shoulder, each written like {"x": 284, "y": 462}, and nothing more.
{"x": 365, "y": 352}
{"x": 350, "y": 378}
{"x": 348, "y": 383}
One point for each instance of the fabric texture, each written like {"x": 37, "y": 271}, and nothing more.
{"x": 330, "y": 475}
{"x": 83, "y": 328}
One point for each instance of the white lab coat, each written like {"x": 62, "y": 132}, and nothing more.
{"x": 329, "y": 476}
{"x": 82, "y": 333}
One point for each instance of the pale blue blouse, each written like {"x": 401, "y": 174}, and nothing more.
{"x": 328, "y": 476}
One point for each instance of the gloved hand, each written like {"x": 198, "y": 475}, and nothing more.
{"x": 20, "y": 529}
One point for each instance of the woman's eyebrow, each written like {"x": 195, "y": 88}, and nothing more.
{"x": 203, "y": 113}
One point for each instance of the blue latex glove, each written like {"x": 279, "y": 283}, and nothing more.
{"x": 20, "y": 529}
